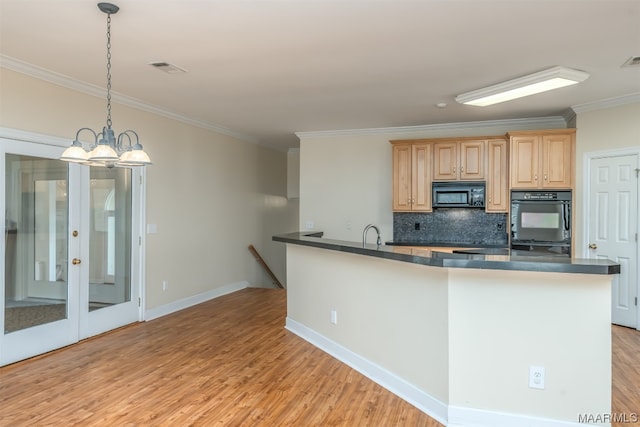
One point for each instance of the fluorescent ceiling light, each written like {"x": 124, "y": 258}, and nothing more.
{"x": 550, "y": 79}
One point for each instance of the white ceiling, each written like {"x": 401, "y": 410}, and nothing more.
{"x": 265, "y": 69}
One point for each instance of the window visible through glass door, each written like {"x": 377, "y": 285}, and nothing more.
{"x": 110, "y": 237}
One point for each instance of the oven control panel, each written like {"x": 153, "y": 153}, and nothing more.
{"x": 541, "y": 195}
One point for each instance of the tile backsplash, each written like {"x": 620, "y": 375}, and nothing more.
{"x": 455, "y": 226}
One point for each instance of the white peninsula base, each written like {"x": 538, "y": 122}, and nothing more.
{"x": 458, "y": 343}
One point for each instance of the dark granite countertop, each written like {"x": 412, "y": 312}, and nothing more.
{"x": 442, "y": 244}
{"x": 456, "y": 260}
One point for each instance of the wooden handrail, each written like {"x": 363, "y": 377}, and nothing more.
{"x": 265, "y": 266}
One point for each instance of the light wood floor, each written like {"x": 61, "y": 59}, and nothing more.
{"x": 225, "y": 362}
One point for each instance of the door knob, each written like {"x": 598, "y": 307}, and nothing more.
{"x": 75, "y": 261}
{"x": 593, "y": 246}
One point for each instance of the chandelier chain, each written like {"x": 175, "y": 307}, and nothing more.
{"x": 109, "y": 70}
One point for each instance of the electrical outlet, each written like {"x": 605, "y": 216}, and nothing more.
{"x": 416, "y": 226}
{"x": 165, "y": 285}
{"x": 348, "y": 225}
{"x": 334, "y": 317}
{"x": 309, "y": 225}
{"x": 536, "y": 377}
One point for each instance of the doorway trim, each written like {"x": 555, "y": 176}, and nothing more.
{"x": 586, "y": 168}
{"x": 39, "y": 138}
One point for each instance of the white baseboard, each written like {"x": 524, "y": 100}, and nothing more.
{"x": 398, "y": 386}
{"x": 469, "y": 417}
{"x": 174, "y": 306}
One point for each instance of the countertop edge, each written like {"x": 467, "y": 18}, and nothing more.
{"x": 443, "y": 259}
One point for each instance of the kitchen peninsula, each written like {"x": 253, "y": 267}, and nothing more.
{"x": 457, "y": 335}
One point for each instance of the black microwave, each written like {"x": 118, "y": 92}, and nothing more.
{"x": 458, "y": 194}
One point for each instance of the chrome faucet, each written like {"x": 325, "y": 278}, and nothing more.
{"x": 364, "y": 234}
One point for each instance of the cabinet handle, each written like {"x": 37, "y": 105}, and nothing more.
{"x": 535, "y": 178}
{"x": 545, "y": 177}
{"x": 461, "y": 169}
{"x": 454, "y": 170}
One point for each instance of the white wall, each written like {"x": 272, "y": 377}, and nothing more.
{"x": 599, "y": 130}
{"x": 210, "y": 200}
{"x": 394, "y": 314}
{"x": 503, "y": 322}
{"x": 345, "y": 177}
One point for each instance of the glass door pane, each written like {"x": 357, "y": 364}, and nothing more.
{"x": 36, "y": 218}
{"x": 110, "y": 237}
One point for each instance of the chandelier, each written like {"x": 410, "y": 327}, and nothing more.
{"x": 106, "y": 149}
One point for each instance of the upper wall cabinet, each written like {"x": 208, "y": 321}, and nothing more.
{"x": 497, "y": 192}
{"x": 459, "y": 160}
{"x": 411, "y": 176}
{"x": 542, "y": 159}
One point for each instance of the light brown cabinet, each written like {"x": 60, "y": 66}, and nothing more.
{"x": 412, "y": 176}
{"x": 542, "y": 159}
{"x": 459, "y": 160}
{"x": 497, "y": 191}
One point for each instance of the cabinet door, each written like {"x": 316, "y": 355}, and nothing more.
{"x": 556, "y": 161}
{"x": 472, "y": 160}
{"x": 497, "y": 197}
{"x": 421, "y": 177}
{"x": 524, "y": 161}
{"x": 445, "y": 156}
{"x": 402, "y": 177}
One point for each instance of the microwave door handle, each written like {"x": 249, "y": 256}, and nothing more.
{"x": 567, "y": 217}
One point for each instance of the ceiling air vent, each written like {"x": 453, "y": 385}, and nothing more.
{"x": 634, "y": 61}
{"x": 167, "y": 68}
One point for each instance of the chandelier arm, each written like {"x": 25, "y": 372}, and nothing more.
{"x": 121, "y": 137}
{"x": 133, "y": 132}
{"x": 95, "y": 135}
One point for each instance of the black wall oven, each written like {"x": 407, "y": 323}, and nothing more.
{"x": 541, "y": 222}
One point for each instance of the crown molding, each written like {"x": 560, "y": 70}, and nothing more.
{"x": 534, "y": 123}
{"x": 93, "y": 90}
{"x": 33, "y": 137}
{"x": 617, "y": 101}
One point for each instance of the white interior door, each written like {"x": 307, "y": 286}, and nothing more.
{"x": 72, "y": 249}
{"x": 612, "y": 219}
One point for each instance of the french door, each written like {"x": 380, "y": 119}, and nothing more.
{"x": 71, "y": 250}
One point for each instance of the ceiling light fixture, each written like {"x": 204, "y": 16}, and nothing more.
{"x": 106, "y": 150}
{"x": 550, "y": 79}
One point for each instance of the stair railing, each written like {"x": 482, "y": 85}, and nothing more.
{"x": 265, "y": 266}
